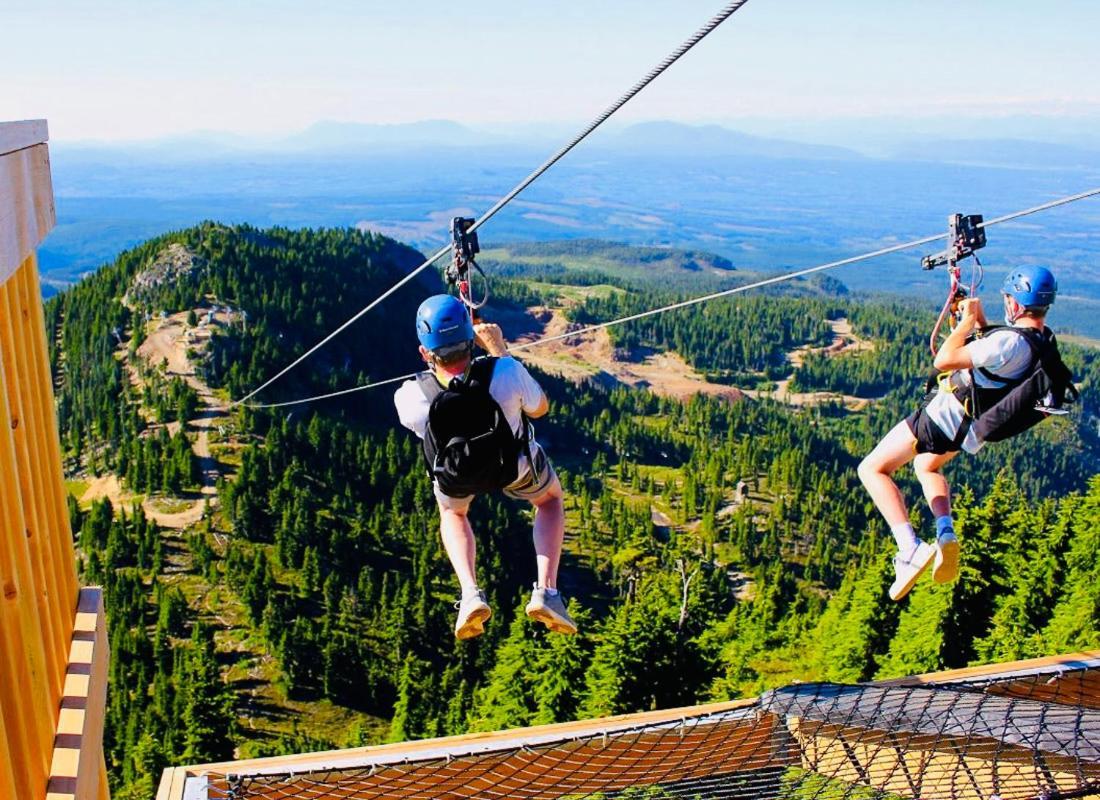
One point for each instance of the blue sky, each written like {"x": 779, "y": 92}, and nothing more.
{"x": 121, "y": 69}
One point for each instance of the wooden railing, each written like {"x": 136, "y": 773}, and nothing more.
{"x": 53, "y": 643}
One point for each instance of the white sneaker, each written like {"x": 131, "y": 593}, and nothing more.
{"x": 908, "y": 568}
{"x": 473, "y": 610}
{"x": 549, "y": 609}
{"x": 947, "y": 557}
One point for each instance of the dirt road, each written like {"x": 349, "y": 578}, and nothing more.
{"x": 592, "y": 355}
{"x": 844, "y": 341}
{"x": 667, "y": 374}
{"x": 167, "y": 344}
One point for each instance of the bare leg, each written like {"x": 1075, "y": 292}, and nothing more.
{"x": 549, "y": 533}
{"x": 936, "y": 490}
{"x": 458, "y": 541}
{"x": 876, "y": 471}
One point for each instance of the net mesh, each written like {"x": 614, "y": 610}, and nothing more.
{"x": 1000, "y": 738}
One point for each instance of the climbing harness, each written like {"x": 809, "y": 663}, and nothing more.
{"x": 647, "y": 79}
{"x": 464, "y": 246}
{"x": 965, "y": 235}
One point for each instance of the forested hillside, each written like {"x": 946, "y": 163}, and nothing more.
{"x": 714, "y": 548}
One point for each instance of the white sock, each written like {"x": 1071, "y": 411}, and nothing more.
{"x": 550, "y": 592}
{"x": 469, "y": 591}
{"x": 905, "y": 537}
{"x": 944, "y": 523}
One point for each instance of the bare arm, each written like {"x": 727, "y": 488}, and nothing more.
{"x": 490, "y": 337}
{"x": 541, "y": 409}
{"x": 953, "y": 353}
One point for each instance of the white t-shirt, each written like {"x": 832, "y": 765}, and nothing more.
{"x": 1004, "y": 353}
{"x": 512, "y": 387}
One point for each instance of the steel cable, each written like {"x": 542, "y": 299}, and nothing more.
{"x": 708, "y": 297}
{"x": 668, "y": 61}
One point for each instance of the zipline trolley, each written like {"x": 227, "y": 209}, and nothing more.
{"x": 464, "y": 246}
{"x": 965, "y": 235}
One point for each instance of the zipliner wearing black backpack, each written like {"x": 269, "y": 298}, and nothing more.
{"x": 472, "y": 415}
{"x": 995, "y": 382}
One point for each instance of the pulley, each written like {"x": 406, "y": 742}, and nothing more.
{"x": 464, "y": 246}
{"x": 965, "y": 235}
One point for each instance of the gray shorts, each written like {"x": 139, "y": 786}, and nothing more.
{"x": 530, "y": 487}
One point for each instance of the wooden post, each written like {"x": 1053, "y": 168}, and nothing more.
{"x": 50, "y": 453}
{"x": 38, "y": 406}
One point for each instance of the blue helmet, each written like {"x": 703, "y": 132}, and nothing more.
{"x": 443, "y": 320}
{"x": 1031, "y": 287}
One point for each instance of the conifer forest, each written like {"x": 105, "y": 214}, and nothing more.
{"x": 717, "y": 544}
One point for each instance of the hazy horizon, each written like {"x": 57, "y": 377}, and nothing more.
{"x": 124, "y": 69}
{"x": 869, "y": 136}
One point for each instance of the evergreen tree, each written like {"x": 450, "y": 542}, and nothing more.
{"x": 208, "y": 719}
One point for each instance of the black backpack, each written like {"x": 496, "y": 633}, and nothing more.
{"x": 468, "y": 444}
{"x": 1005, "y": 411}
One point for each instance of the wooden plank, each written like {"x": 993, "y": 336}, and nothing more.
{"x": 50, "y": 454}
{"x": 22, "y": 653}
{"x": 7, "y": 775}
{"x": 1007, "y": 669}
{"x": 38, "y": 406}
{"x": 78, "y": 768}
{"x": 55, "y": 611}
{"x": 164, "y": 789}
{"x": 91, "y": 755}
{"x": 104, "y": 787}
{"x": 22, "y": 134}
{"x": 27, "y": 211}
{"x": 172, "y": 783}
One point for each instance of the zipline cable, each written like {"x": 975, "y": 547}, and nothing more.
{"x": 808, "y": 271}
{"x": 713, "y": 296}
{"x": 668, "y": 61}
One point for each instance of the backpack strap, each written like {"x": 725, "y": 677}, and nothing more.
{"x": 428, "y": 384}
{"x": 481, "y": 370}
{"x": 964, "y": 429}
{"x": 1029, "y": 335}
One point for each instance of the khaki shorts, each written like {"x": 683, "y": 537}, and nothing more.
{"x": 530, "y": 487}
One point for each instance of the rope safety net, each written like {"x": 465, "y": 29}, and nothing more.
{"x": 1034, "y": 735}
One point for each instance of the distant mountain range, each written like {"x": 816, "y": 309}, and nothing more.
{"x": 330, "y": 135}
{"x": 662, "y": 138}
{"x": 1020, "y": 153}
{"x": 674, "y": 139}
